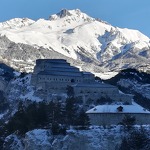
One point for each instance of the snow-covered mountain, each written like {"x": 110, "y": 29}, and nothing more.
{"x": 77, "y": 37}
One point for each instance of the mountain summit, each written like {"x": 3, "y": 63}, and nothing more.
{"x": 70, "y": 14}
{"x": 77, "y": 37}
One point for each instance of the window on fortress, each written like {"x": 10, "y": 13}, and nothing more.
{"x": 72, "y": 80}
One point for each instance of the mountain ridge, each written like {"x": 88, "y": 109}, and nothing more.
{"x": 79, "y": 37}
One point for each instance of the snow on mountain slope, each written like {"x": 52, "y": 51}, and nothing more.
{"x": 16, "y": 23}
{"x": 133, "y": 35}
{"x": 82, "y": 38}
{"x": 61, "y": 33}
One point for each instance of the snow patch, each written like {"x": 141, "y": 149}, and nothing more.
{"x": 106, "y": 75}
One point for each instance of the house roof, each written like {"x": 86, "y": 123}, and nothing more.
{"x": 134, "y": 108}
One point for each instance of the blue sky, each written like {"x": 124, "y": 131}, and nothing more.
{"x": 132, "y": 14}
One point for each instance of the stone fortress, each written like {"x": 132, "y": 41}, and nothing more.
{"x": 52, "y": 76}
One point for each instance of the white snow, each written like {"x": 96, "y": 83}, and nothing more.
{"x": 30, "y": 96}
{"x": 21, "y": 87}
{"x": 16, "y": 73}
{"x": 80, "y": 37}
{"x": 106, "y": 75}
{"x": 16, "y": 23}
{"x": 15, "y": 142}
{"x": 133, "y": 35}
{"x": 38, "y": 139}
{"x": 39, "y": 134}
{"x": 1, "y": 116}
{"x": 69, "y": 31}
{"x": 134, "y": 108}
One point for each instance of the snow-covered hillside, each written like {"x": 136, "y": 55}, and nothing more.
{"x": 79, "y": 37}
{"x": 134, "y": 82}
{"x": 94, "y": 139}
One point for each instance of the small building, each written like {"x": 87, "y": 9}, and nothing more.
{"x": 114, "y": 114}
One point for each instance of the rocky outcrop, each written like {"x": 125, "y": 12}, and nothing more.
{"x": 13, "y": 142}
{"x": 93, "y": 139}
{"x": 38, "y": 139}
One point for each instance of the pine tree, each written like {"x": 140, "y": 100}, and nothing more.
{"x": 50, "y": 112}
{"x": 42, "y": 117}
{"x": 139, "y": 140}
{"x": 128, "y": 121}
{"x": 70, "y": 91}
{"x": 83, "y": 119}
{"x": 124, "y": 145}
{"x": 55, "y": 128}
{"x": 19, "y": 121}
{"x": 32, "y": 116}
{"x": 71, "y": 111}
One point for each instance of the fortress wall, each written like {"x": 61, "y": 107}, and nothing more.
{"x": 59, "y": 79}
{"x": 116, "y": 118}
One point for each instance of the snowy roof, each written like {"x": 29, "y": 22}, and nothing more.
{"x": 113, "y": 109}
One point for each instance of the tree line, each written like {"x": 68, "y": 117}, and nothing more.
{"x": 56, "y": 116}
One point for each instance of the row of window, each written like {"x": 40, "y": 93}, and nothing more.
{"x": 88, "y": 92}
{"x": 56, "y": 79}
{"x": 92, "y": 92}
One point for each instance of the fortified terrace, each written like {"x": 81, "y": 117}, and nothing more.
{"x": 54, "y": 75}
